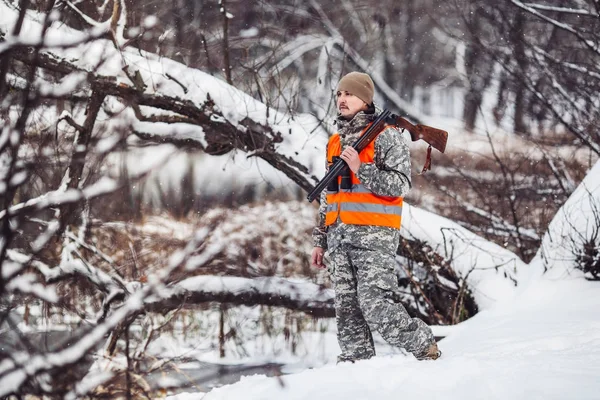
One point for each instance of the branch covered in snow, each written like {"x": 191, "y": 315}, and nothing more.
{"x": 218, "y": 134}
{"x": 272, "y": 291}
{"x": 22, "y": 368}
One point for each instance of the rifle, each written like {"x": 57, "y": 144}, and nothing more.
{"x": 434, "y": 137}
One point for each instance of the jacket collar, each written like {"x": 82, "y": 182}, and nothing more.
{"x": 357, "y": 123}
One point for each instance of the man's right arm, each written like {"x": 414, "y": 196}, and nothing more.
{"x": 319, "y": 233}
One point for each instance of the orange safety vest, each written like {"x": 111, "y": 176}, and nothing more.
{"x": 358, "y": 205}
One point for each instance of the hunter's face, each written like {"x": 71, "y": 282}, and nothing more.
{"x": 348, "y": 104}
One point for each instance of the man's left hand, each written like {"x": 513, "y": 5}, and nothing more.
{"x": 350, "y": 155}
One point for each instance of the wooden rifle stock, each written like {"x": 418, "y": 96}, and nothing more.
{"x": 436, "y": 138}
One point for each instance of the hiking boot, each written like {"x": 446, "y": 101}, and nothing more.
{"x": 432, "y": 353}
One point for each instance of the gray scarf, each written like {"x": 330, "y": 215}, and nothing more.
{"x": 350, "y": 130}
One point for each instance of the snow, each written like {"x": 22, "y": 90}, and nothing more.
{"x": 167, "y": 227}
{"x": 249, "y": 33}
{"x": 10, "y": 269}
{"x": 314, "y": 348}
{"x": 274, "y": 286}
{"x": 88, "y": 384}
{"x": 484, "y": 264}
{"x": 68, "y": 84}
{"x": 187, "y": 396}
{"x": 150, "y": 21}
{"x": 542, "y": 344}
{"x": 27, "y": 284}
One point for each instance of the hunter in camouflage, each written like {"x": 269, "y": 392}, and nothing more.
{"x": 361, "y": 258}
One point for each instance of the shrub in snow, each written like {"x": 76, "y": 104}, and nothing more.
{"x": 587, "y": 259}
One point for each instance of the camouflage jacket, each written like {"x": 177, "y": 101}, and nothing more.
{"x": 389, "y": 175}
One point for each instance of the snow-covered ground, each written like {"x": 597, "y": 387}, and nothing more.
{"x": 541, "y": 342}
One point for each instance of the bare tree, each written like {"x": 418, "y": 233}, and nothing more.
{"x": 549, "y": 52}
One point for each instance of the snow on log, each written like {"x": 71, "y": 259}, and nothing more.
{"x": 294, "y": 294}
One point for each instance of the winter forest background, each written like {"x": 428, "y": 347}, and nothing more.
{"x": 154, "y": 163}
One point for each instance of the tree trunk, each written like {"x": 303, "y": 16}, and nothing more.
{"x": 518, "y": 39}
{"x": 478, "y": 68}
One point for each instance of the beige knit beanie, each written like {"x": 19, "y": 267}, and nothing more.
{"x": 359, "y": 84}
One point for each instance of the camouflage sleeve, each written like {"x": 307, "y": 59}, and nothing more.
{"x": 390, "y": 174}
{"x": 319, "y": 233}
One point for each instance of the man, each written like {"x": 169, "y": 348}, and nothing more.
{"x": 359, "y": 226}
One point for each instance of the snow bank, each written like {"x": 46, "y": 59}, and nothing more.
{"x": 576, "y": 221}
{"x": 490, "y": 270}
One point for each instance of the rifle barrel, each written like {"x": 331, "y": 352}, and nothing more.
{"x": 333, "y": 173}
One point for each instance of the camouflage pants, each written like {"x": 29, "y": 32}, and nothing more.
{"x": 366, "y": 297}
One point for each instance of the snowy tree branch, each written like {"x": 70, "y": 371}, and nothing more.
{"x": 221, "y": 135}
{"x": 565, "y": 10}
{"x": 595, "y": 47}
{"x": 301, "y": 296}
